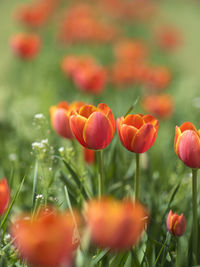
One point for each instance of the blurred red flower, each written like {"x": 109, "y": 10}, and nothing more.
{"x": 161, "y": 106}
{"x": 48, "y": 239}
{"x": 113, "y": 224}
{"x": 25, "y": 45}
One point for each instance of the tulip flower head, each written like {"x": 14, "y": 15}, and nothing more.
{"x": 159, "y": 105}
{"x": 187, "y": 144}
{"x": 60, "y": 117}
{"x": 4, "y": 195}
{"x": 113, "y": 224}
{"x": 176, "y": 224}
{"x": 26, "y": 46}
{"x": 93, "y": 127}
{"x": 48, "y": 239}
{"x": 137, "y": 132}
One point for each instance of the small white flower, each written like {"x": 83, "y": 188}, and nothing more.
{"x": 39, "y": 116}
{"x": 12, "y": 157}
{"x": 61, "y": 149}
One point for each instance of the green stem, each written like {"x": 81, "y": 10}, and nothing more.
{"x": 100, "y": 172}
{"x": 177, "y": 252}
{"x": 137, "y": 176}
{"x": 195, "y": 217}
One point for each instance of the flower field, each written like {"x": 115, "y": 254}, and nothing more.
{"x": 99, "y": 133}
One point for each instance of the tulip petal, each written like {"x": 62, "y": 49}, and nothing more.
{"x": 128, "y": 133}
{"x": 150, "y": 119}
{"x": 87, "y": 110}
{"x": 98, "y": 131}
{"x": 77, "y": 124}
{"x": 107, "y": 111}
{"x": 188, "y": 148}
{"x": 134, "y": 120}
{"x": 177, "y": 135}
{"x": 60, "y": 123}
{"x": 187, "y": 126}
{"x": 144, "y": 138}
{"x": 119, "y": 125}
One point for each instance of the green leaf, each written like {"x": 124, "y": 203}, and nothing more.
{"x": 100, "y": 256}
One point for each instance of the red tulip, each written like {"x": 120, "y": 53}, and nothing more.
{"x": 176, "y": 224}
{"x": 25, "y": 45}
{"x": 90, "y": 78}
{"x": 4, "y": 195}
{"x": 187, "y": 144}
{"x": 137, "y": 132}
{"x": 60, "y": 117}
{"x": 157, "y": 78}
{"x": 159, "y": 105}
{"x": 71, "y": 63}
{"x": 93, "y": 127}
{"x": 113, "y": 224}
{"x": 48, "y": 239}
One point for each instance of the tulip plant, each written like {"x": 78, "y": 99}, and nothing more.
{"x": 82, "y": 184}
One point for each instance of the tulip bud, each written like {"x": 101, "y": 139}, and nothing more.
{"x": 176, "y": 224}
{"x": 4, "y": 195}
{"x": 113, "y": 224}
{"x": 187, "y": 144}
{"x": 137, "y": 132}
{"x": 93, "y": 127}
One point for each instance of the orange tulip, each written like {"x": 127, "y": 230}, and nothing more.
{"x": 60, "y": 117}
{"x": 89, "y": 155}
{"x": 159, "y": 105}
{"x": 157, "y": 78}
{"x": 131, "y": 50}
{"x": 35, "y": 14}
{"x": 4, "y": 195}
{"x": 48, "y": 239}
{"x": 25, "y": 45}
{"x": 137, "y": 132}
{"x": 113, "y": 224}
{"x": 90, "y": 78}
{"x": 176, "y": 224}
{"x": 71, "y": 63}
{"x": 93, "y": 127}
{"x": 187, "y": 144}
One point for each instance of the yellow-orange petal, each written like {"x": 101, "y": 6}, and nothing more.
{"x": 77, "y": 124}
{"x": 98, "y": 131}
{"x": 87, "y": 110}
{"x": 150, "y": 119}
{"x": 128, "y": 133}
{"x": 144, "y": 138}
{"x": 187, "y": 126}
{"x": 134, "y": 120}
{"x": 177, "y": 135}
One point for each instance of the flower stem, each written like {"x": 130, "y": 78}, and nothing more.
{"x": 100, "y": 172}
{"x": 137, "y": 176}
{"x": 195, "y": 217}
